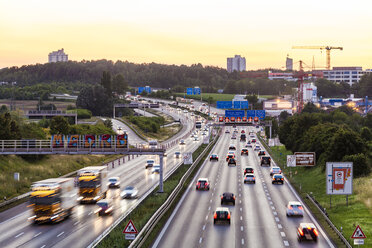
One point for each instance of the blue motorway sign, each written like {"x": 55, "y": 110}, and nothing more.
{"x": 234, "y": 113}
{"x": 244, "y": 105}
{"x": 140, "y": 89}
{"x": 189, "y": 91}
{"x": 197, "y": 91}
{"x": 224, "y": 104}
{"x": 260, "y": 114}
{"x": 251, "y": 113}
{"x": 237, "y": 104}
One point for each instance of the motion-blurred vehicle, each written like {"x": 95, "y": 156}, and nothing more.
{"x": 261, "y": 153}
{"x": 227, "y": 131}
{"x": 149, "y": 163}
{"x": 196, "y": 138}
{"x": 213, "y": 157}
{"x": 227, "y": 197}
{"x": 278, "y": 178}
{"x": 307, "y": 231}
{"x": 249, "y": 178}
{"x": 294, "y": 208}
{"x": 243, "y": 137}
{"x": 230, "y": 154}
{"x": 244, "y": 151}
{"x": 129, "y": 192}
{"x": 248, "y": 145}
{"x": 155, "y": 169}
{"x": 253, "y": 141}
{"x": 265, "y": 161}
{"x": 242, "y": 131}
{"x": 257, "y": 148}
{"x": 275, "y": 170}
{"x": 114, "y": 182}
{"x": 233, "y": 136}
{"x": 104, "y": 207}
{"x": 177, "y": 154}
{"x": 232, "y": 147}
{"x": 222, "y": 215}
{"x": 202, "y": 184}
{"x": 182, "y": 142}
{"x": 231, "y": 162}
{"x": 248, "y": 170}
{"x": 92, "y": 184}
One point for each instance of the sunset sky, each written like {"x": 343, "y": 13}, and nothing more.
{"x": 186, "y": 32}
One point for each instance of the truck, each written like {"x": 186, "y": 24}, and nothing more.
{"x": 52, "y": 200}
{"x": 93, "y": 184}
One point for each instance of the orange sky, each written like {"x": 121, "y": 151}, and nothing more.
{"x": 186, "y": 32}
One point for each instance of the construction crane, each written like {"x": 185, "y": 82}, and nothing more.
{"x": 327, "y": 48}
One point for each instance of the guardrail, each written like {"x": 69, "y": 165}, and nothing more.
{"x": 321, "y": 209}
{"x": 146, "y": 230}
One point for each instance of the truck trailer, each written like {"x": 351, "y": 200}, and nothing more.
{"x": 93, "y": 184}
{"x": 52, "y": 200}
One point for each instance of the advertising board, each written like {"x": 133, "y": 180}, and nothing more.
{"x": 339, "y": 178}
{"x": 305, "y": 158}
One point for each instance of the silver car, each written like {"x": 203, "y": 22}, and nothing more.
{"x": 294, "y": 208}
{"x": 129, "y": 192}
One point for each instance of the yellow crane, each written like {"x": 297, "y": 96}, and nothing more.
{"x": 327, "y": 48}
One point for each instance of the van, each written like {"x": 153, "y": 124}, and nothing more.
{"x": 153, "y": 143}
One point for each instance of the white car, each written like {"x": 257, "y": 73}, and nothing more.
{"x": 155, "y": 169}
{"x": 113, "y": 182}
{"x": 232, "y": 147}
{"x": 294, "y": 208}
{"x": 275, "y": 170}
{"x": 227, "y": 131}
{"x": 129, "y": 192}
{"x": 257, "y": 148}
{"x": 196, "y": 138}
{"x": 182, "y": 142}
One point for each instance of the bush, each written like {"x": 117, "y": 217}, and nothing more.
{"x": 360, "y": 164}
{"x": 84, "y": 113}
{"x": 147, "y": 124}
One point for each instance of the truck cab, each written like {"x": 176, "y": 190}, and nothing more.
{"x": 92, "y": 184}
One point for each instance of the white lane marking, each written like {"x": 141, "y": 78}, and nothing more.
{"x": 276, "y": 219}
{"x": 240, "y": 189}
{"x": 272, "y": 207}
{"x": 240, "y": 201}
{"x": 266, "y": 190}
{"x": 203, "y": 227}
{"x": 241, "y": 209}
{"x": 283, "y": 234}
{"x": 269, "y": 198}
{"x": 241, "y": 228}
{"x": 200, "y": 240}
{"x": 241, "y": 217}
{"x": 242, "y": 241}
{"x": 20, "y": 234}
{"x": 209, "y": 208}
{"x": 275, "y": 213}
{"x": 77, "y": 222}
{"x": 280, "y": 226}
{"x": 43, "y": 246}
{"x": 286, "y": 243}
{"x": 271, "y": 203}
{"x": 210, "y": 200}
{"x": 212, "y": 194}
{"x": 37, "y": 234}
{"x": 206, "y": 217}
{"x": 240, "y": 195}
{"x": 60, "y": 234}
{"x": 90, "y": 213}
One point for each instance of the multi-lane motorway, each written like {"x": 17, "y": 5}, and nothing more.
{"x": 84, "y": 226}
{"x": 258, "y": 218}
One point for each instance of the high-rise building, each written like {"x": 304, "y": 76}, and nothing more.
{"x": 289, "y": 64}
{"x": 236, "y": 64}
{"x": 57, "y": 56}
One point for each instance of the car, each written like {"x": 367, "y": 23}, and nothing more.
{"x": 227, "y": 131}
{"x": 177, "y": 154}
{"x": 278, "y": 178}
{"x": 242, "y": 131}
{"x": 294, "y": 208}
{"x": 105, "y": 207}
{"x": 227, "y": 197}
{"x": 231, "y": 161}
{"x": 202, "y": 184}
{"x": 257, "y": 148}
{"x": 257, "y": 126}
{"x": 253, "y": 140}
{"x": 244, "y": 151}
{"x": 243, "y": 137}
{"x": 119, "y": 128}
{"x": 233, "y": 137}
{"x": 248, "y": 170}
{"x": 307, "y": 231}
{"x": 236, "y": 131}
{"x": 204, "y": 133}
{"x": 275, "y": 170}
{"x": 261, "y": 153}
{"x": 149, "y": 163}
{"x": 129, "y": 192}
{"x": 222, "y": 215}
{"x": 265, "y": 161}
{"x": 232, "y": 147}
{"x": 213, "y": 157}
{"x": 182, "y": 142}
{"x": 249, "y": 178}
{"x": 248, "y": 145}
{"x": 155, "y": 169}
{"x": 196, "y": 138}
{"x": 230, "y": 154}
{"x": 113, "y": 182}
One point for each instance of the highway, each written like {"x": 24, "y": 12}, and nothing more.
{"x": 258, "y": 218}
{"x": 84, "y": 226}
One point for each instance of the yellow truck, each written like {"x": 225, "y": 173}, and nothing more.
{"x": 93, "y": 184}
{"x": 52, "y": 200}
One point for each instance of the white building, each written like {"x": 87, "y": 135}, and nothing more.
{"x": 348, "y": 75}
{"x": 57, "y": 56}
{"x": 310, "y": 92}
{"x": 276, "y": 106}
{"x": 289, "y": 64}
{"x": 236, "y": 64}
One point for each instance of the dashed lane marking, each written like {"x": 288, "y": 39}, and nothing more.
{"x": 283, "y": 234}
{"x": 269, "y": 198}
{"x": 240, "y": 201}
{"x": 43, "y": 246}
{"x": 203, "y": 227}
{"x": 275, "y": 213}
{"x": 200, "y": 240}
{"x": 20, "y": 234}
{"x": 286, "y": 243}
{"x": 241, "y": 228}
{"x": 271, "y": 203}
{"x": 60, "y": 234}
{"x": 276, "y": 219}
{"x": 242, "y": 241}
{"x": 209, "y": 208}
{"x": 272, "y": 207}
{"x": 241, "y": 217}
{"x": 37, "y": 234}
{"x": 206, "y": 217}
{"x": 280, "y": 226}
{"x": 241, "y": 209}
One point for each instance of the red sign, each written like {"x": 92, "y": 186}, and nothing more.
{"x": 130, "y": 228}
{"x": 358, "y": 233}
{"x": 244, "y": 118}
{"x": 227, "y": 119}
{"x": 250, "y": 119}
{"x": 238, "y": 119}
{"x": 256, "y": 119}
{"x": 221, "y": 119}
{"x": 232, "y": 119}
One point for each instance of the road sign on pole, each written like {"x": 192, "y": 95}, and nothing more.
{"x": 358, "y": 233}
{"x": 187, "y": 158}
{"x": 305, "y": 158}
{"x": 130, "y": 228}
{"x": 291, "y": 160}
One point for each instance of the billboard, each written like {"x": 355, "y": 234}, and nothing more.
{"x": 234, "y": 113}
{"x": 339, "y": 178}
{"x": 305, "y": 158}
{"x": 189, "y": 91}
{"x": 224, "y": 104}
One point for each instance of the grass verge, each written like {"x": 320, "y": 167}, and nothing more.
{"x": 149, "y": 206}
{"x": 312, "y": 181}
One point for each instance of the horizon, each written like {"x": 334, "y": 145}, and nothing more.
{"x": 187, "y": 33}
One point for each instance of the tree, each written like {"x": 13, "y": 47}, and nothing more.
{"x": 94, "y": 99}
{"x": 284, "y": 115}
{"x": 366, "y": 134}
{"x": 59, "y": 125}
{"x": 311, "y": 108}
{"x": 360, "y": 164}
{"x": 108, "y": 123}
{"x": 9, "y": 129}
{"x": 119, "y": 84}
{"x": 106, "y": 83}
{"x": 3, "y": 109}
{"x": 365, "y": 86}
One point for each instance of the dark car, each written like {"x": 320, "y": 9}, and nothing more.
{"x": 222, "y": 215}
{"x": 243, "y": 137}
{"x": 248, "y": 170}
{"x": 227, "y": 198}
{"x": 249, "y": 178}
{"x": 230, "y": 155}
{"x": 261, "y": 153}
{"x": 231, "y": 161}
{"x": 253, "y": 140}
{"x": 265, "y": 161}
{"x": 244, "y": 151}
{"x": 202, "y": 184}
{"x": 213, "y": 157}
{"x": 104, "y": 207}
{"x": 278, "y": 178}
{"x": 114, "y": 182}
{"x": 307, "y": 231}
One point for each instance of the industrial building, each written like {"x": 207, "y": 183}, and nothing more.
{"x": 276, "y": 106}
{"x": 236, "y": 64}
{"x": 57, "y": 56}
